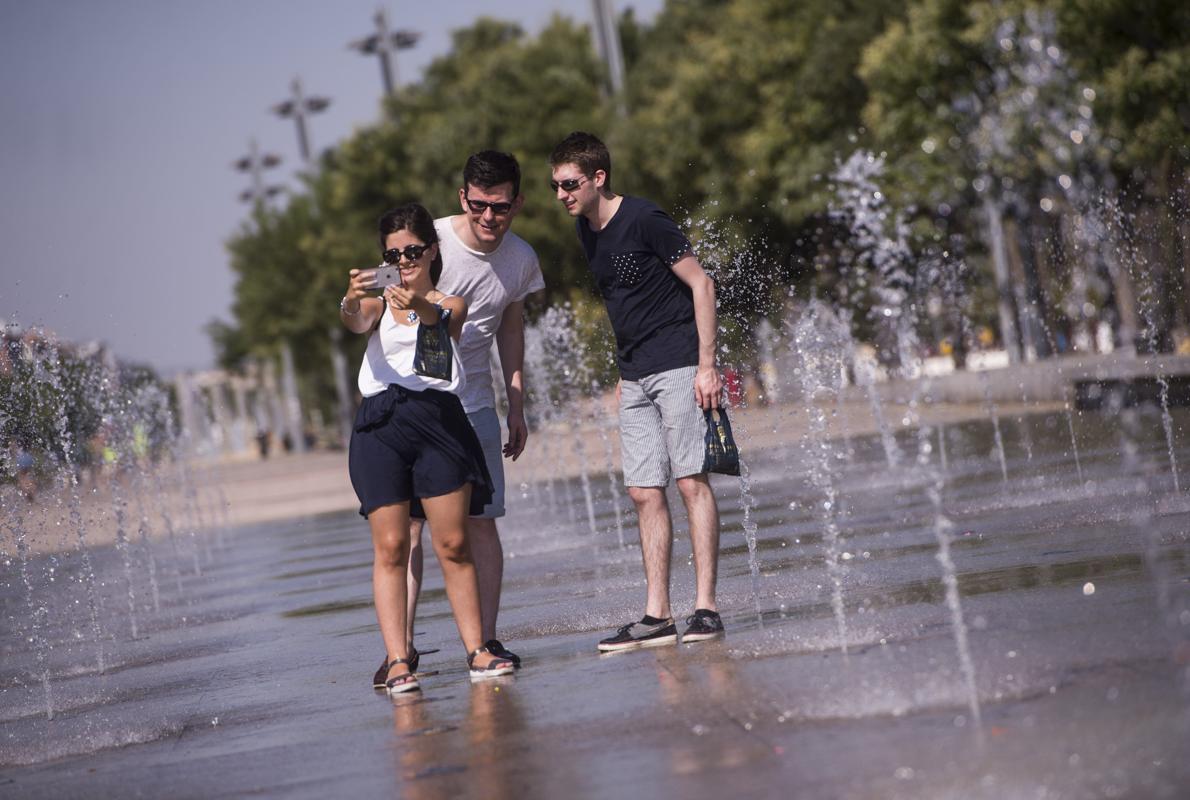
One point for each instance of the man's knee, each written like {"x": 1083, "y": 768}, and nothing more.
{"x": 481, "y": 526}
{"x": 415, "y": 528}
{"x": 695, "y": 489}
{"x": 646, "y": 497}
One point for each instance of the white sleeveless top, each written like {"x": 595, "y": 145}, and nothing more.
{"x": 389, "y": 359}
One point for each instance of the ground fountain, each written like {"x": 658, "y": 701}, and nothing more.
{"x": 899, "y": 567}
{"x": 895, "y": 604}
{"x": 84, "y": 507}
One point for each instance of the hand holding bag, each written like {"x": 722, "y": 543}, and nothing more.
{"x": 432, "y": 357}
{"x": 722, "y": 456}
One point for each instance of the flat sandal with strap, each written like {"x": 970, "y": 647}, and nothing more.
{"x": 380, "y": 679}
{"x": 405, "y": 682}
{"x": 496, "y": 667}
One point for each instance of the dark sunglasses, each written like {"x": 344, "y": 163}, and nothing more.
{"x": 411, "y": 252}
{"x": 480, "y": 206}
{"x": 568, "y": 185}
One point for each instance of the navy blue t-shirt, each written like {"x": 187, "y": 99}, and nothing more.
{"x": 651, "y": 309}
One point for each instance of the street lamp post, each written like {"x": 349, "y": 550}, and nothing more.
{"x": 607, "y": 41}
{"x": 385, "y": 43}
{"x": 298, "y": 106}
{"x": 255, "y": 163}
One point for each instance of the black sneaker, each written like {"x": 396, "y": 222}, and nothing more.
{"x": 500, "y": 651}
{"x": 702, "y": 625}
{"x": 640, "y": 634}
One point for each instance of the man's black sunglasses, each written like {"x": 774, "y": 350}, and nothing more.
{"x": 412, "y": 252}
{"x": 568, "y": 185}
{"x": 480, "y": 206}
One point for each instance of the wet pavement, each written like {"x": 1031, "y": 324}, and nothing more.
{"x": 253, "y": 677}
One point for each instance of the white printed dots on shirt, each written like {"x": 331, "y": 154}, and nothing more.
{"x": 629, "y": 268}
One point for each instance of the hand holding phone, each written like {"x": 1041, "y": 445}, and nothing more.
{"x": 387, "y": 275}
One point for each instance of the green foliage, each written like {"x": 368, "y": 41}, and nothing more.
{"x": 737, "y": 115}
{"x": 57, "y": 402}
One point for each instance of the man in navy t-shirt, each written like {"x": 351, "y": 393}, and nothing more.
{"x": 662, "y": 309}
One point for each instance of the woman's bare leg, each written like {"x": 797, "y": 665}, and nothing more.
{"x": 447, "y": 517}
{"x": 390, "y": 562}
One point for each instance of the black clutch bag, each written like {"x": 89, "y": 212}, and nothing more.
{"x": 722, "y": 456}
{"x": 432, "y": 357}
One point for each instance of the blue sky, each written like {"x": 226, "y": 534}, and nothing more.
{"x": 119, "y": 122}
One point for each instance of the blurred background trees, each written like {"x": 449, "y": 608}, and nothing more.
{"x": 1031, "y": 168}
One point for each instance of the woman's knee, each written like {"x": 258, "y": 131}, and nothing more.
{"x": 392, "y": 551}
{"x": 452, "y": 546}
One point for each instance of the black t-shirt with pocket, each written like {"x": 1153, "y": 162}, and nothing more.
{"x": 650, "y": 308}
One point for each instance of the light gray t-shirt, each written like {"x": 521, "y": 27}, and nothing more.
{"x": 488, "y": 282}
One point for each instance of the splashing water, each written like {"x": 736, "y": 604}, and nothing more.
{"x": 823, "y": 342}
{"x": 49, "y": 378}
{"x": 748, "y": 502}
{"x": 994, "y": 418}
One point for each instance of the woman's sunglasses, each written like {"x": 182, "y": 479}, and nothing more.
{"x": 411, "y": 252}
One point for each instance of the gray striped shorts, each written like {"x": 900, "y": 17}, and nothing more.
{"x": 662, "y": 429}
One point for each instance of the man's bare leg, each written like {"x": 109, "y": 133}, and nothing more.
{"x": 413, "y": 581}
{"x": 656, "y": 545}
{"x": 703, "y": 512}
{"x": 488, "y": 555}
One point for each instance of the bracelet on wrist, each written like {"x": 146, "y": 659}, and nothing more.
{"x": 344, "y": 309}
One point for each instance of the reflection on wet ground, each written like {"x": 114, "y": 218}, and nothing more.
{"x": 253, "y": 678}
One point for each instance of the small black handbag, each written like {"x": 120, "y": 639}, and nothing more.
{"x": 722, "y": 456}
{"x": 432, "y": 356}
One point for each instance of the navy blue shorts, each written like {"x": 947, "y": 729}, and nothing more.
{"x": 407, "y": 445}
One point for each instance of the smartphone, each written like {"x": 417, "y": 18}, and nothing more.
{"x": 387, "y": 275}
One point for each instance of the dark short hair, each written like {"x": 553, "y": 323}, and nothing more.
{"x": 489, "y": 168}
{"x": 414, "y": 218}
{"x": 587, "y": 152}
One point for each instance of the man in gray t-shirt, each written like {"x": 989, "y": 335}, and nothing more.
{"x": 493, "y": 270}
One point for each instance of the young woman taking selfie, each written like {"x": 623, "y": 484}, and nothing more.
{"x": 413, "y": 452}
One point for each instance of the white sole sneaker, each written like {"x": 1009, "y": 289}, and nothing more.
{"x": 660, "y": 641}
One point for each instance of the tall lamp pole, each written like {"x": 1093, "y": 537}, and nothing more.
{"x": 386, "y": 43}
{"x": 255, "y": 163}
{"x": 607, "y": 42}
{"x": 297, "y": 107}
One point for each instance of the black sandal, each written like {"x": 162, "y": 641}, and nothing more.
{"x": 496, "y": 667}
{"x": 380, "y": 679}
{"x": 405, "y": 682}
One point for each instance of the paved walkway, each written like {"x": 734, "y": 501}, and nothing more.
{"x": 252, "y": 677}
